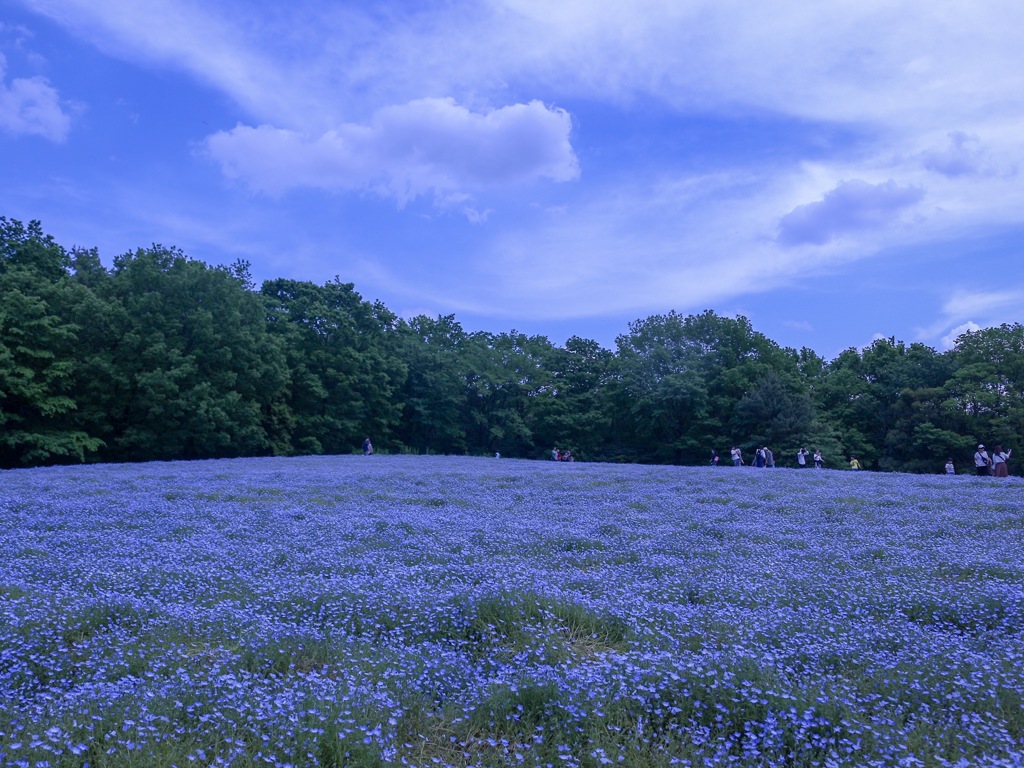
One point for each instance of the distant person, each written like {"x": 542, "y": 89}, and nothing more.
{"x": 818, "y": 461}
{"x": 801, "y": 457}
{"x": 950, "y": 469}
{"x": 367, "y": 447}
{"x": 759, "y": 457}
{"x": 999, "y": 459}
{"x": 854, "y": 464}
{"x": 555, "y": 455}
{"x": 567, "y": 455}
{"x": 982, "y": 462}
{"x": 769, "y": 457}
{"x": 737, "y": 456}
{"x": 497, "y": 454}
{"x": 714, "y": 458}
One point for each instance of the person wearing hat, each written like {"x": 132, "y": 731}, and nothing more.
{"x": 981, "y": 461}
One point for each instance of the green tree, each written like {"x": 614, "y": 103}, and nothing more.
{"x": 187, "y": 369}
{"x": 985, "y": 391}
{"x": 883, "y": 399}
{"x": 37, "y": 344}
{"x": 680, "y": 380}
{"x": 434, "y": 393}
{"x": 776, "y": 414}
{"x": 572, "y": 410}
{"x": 504, "y": 373}
{"x": 344, "y": 361}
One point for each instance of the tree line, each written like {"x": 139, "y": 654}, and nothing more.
{"x": 165, "y": 357}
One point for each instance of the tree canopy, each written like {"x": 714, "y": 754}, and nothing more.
{"x": 165, "y": 357}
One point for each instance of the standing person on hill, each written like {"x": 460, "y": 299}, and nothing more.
{"x": 981, "y": 461}
{"x": 950, "y": 469}
{"x": 714, "y": 458}
{"x": 854, "y": 464}
{"x": 999, "y": 459}
{"x": 759, "y": 457}
{"x": 818, "y": 461}
{"x": 801, "y": 457}
{"x": 769, "y": 457}
{"x": 367, "y": 447}
{"x": 737, "y": 456}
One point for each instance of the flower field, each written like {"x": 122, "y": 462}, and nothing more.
{"x": 438, "y": 611}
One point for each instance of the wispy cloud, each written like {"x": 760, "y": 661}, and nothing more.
{"x": 633, "y": 249}
{"x": 961, "y": 157}
{"x": 970, "y": 311}
{"x": 226, "y": 46}
{"x": 798, "y": 325}
{"x": 964, "y": 304}
{"x": 863, "y": 60}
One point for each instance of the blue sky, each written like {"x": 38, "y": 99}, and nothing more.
{"x": 836, "y": 171}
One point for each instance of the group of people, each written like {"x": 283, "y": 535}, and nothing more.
{"x": 986, "y": 463}
{"x": 765, "y": 457}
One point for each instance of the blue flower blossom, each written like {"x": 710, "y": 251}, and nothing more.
{"x": 449, "y": 611}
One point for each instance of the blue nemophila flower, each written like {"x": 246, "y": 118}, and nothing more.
{"x": 444, "y": 611}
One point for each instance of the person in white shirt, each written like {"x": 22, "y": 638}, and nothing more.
{"x": 737, "y": 456}
{"x": 981, "y": 461}
{"x": 999, "y": 459}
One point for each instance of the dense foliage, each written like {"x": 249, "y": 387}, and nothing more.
{"x": 468, "y": 611}
{"x": 165, "y": 357}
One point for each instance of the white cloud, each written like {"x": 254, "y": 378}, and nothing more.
{"x": 875, "y": 337}
{"x": 798, "y": 325}
{"x": 235, "y": 48}
{"x": 963, "y": 304}
{"x": 476, "y": 217}
{"x": 31, "y": 107}
{"x": 424, "y": 146}
{"x": 949, "y": 340}
{"x": 851, "y": 207}
{"x": 859, "y": 60}
{"x": 398, "y": 100}
{"x": 970, "y": 311}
